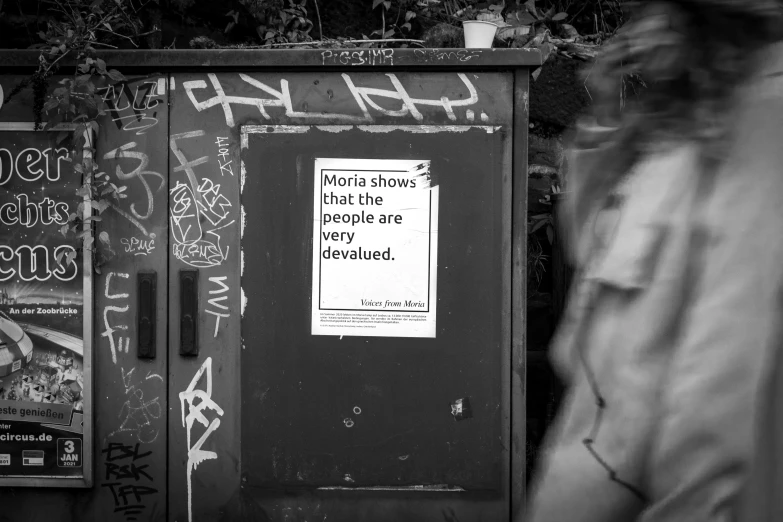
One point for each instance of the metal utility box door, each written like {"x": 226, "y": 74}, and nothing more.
{"x": 320, "y": 293}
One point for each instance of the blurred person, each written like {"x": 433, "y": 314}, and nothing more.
{"x": 675, "y": 317}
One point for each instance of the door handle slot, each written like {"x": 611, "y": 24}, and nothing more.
{"x": 188, "y": 309}
{"x": 147, "y": 283}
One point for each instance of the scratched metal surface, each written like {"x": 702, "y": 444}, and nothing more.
{"x": 298, "y": 389}
{"x": 204, "y": 443}
{"x": 130, "y": 394}
{"x": 300, "y": 58}
{"x": 404, "y": 386}
{"x": 131, "y": 397}
{"x": 518, "y": 292}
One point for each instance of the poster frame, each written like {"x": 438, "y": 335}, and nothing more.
{"x": 87, "y": 478}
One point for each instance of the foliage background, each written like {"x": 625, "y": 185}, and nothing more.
{"x": 176, "y": 23}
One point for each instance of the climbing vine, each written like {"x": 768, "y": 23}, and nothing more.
{"x": 73, "y": 106}
{"x": 274, "y": 21}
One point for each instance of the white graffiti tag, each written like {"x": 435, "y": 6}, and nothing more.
{"x": 363, "y": 96}
{"x": 223, "y": 153}
{"x": 140, "y": 173}
{"x": 190, "y": 244}
{"x": 194, "y": 403}
{"x": 217, "y": 302}
{"x": 213, "y": 205}
{"x": 109, "y": 331}
{"x": 137, "y": 414}
{"x": 197, "y": 242}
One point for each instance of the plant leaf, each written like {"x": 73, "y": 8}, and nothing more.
{"x": 55, "y": 120}
{"x": 50, "y": 104}
{"x": 559, "y": 16}
{"x": 116, "y": 75}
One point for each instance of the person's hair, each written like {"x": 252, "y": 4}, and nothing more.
{"x": 688, "y": 58}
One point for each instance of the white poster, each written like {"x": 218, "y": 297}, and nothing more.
{"x": 375, "y": 245}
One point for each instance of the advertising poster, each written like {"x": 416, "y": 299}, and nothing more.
{"x": 375, "y": 245}
{"x": 42, "y": 380}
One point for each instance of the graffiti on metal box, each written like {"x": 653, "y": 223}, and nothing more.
{"x": 122, "y": 306}
{"x": 136, "y": 246}
{"x": 135, "y": 214}
{"x": 134, "y": 109}
{"x": 364, "y": 98}
{"x": 218, "y": 307}
{"x": 127, "y": 476}
{"x": 194, "y": 404}
{"x": 198, "y": 211}
{"x": 139, "y": 413}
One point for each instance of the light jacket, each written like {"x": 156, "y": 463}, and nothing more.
{"x": 672, "y": 336}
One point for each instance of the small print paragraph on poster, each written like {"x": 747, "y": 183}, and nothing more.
{"x": 375, "y": 239}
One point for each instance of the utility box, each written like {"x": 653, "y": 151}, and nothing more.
{"x": 316, "y": 306}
